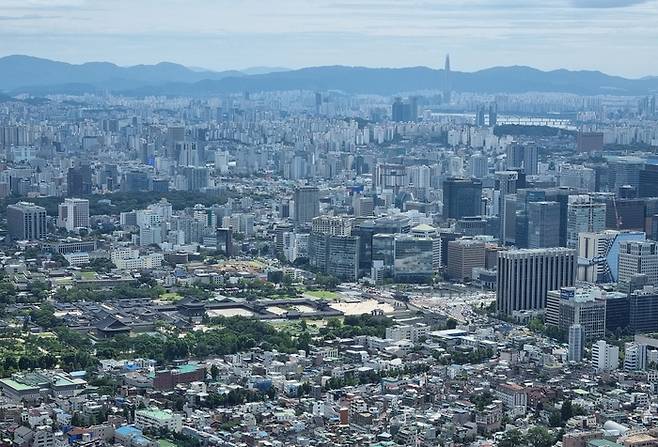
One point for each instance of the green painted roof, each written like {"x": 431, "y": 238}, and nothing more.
{"x": 155, "y": 413}
{"x": 17, "y": 385}
{"x": 603, "y": 443}
{"x": 187, "y": 368}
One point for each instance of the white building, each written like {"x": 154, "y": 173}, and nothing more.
{"x": 73, "y": 214}
{"x": 333, "y": 225}
{"x": 579, "y": 177}
{"x": 129, "y": 259}
{"x": 77, "y": 259}
{"x": 154, "y": 418}
{"x": 598, "y": 254}
{"x": 513, "y": 396}
{"x": 635, "y": 356}
{"x": 605, "y": 357}
{"x": 583, "y": 215}
{"x": 407, "y": 332}
{"x": 639, "y": 257}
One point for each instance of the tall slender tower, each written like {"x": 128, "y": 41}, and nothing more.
{"x": 446, "y": 81}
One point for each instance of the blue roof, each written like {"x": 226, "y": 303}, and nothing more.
{"x": 128, "y": 430}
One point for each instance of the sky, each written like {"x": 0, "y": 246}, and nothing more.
{"x": 615, "y": 36}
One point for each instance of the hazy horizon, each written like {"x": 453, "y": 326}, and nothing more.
{"x": 263, "y": 69}
{"x": 221, "y": 35}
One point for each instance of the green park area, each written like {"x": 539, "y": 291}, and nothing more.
{"x": 171, "y": 296}
{"x": 323, "y": 294}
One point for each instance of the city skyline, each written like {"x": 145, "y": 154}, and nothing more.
{"x": 574, "y": 34}
{"x": 441, "y": 230}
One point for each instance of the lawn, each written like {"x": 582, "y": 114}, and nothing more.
{"x": 170, "y": 296}
{"x": 323, "y": 294}
{"x": 294, "y": 327}
{"x": 87, "y": 276}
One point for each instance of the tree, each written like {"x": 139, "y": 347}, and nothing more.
{"x": 536, "y": 325}
{"x": 451, "y": 323}
{"x": 328, "y": 282}
{"x": 554, "y": 419}
{"x": 539, "y": 437}
{"x": 100, "y": 265}
{"x": 482, "y": 400}
{"x": 214, "y": 372}
{"x": 44, "y": 317}
{"x": 566, "y": 412}
{"x": 511, "y": 438}
{"x": 287, "y": 280}
{"x": 7, "y": 292}
{"x": 75, "y": 420}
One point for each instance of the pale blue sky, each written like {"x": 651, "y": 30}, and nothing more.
{"x": 615, "y": 36}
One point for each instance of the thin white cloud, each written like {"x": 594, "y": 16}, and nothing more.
{"x": 605, "y": 4}
{"x": 224, "y": 34}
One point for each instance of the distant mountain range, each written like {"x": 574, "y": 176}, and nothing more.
{"x": 25, "y": 74}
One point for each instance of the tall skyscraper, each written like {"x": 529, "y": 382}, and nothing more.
{"x": 73, "y": 213}
{"x": 530, "y": 159}
{"x": 463, "y": 256}
{"x": 514, "y": 156}
{"x": 625, "y": 171}
{"x": 397, "y": 110}
{"x": 507, "y": 184}
{"x": 447, "y": 87}
{"x": 480, "y": 116}
{"x": 193, "y": 178}
{"x": 175, "y": 134}
{"x": 26, "y": 221}
{"x": 318, "y": 102}
{"x": 638, "y": 258}
{"x": 134, "y": 181}
{"x": 493, "y": 114}
{"x": 462, "y": 197}
{"x": 224, "y": 240}
{"x": 335, "y": 254}
{"x": 381, "y": 226}
{"x": 479, "y": 164}
{"x": 78, "y": 180}
{"x": 643, "y": 310}
{"x": 583, "y": 216}
{"x": 576, "y": 343}
{"x": 648, "y": 181}
{"x": 522, "y": 156}
{"x": 543, "y": 228}
{"x": 307, "y": 204}
{"x": 525, "y": 277}
{"x": 404, "y": 110}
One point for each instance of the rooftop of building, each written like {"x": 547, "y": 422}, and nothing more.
{"x": 155, "y": 413}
